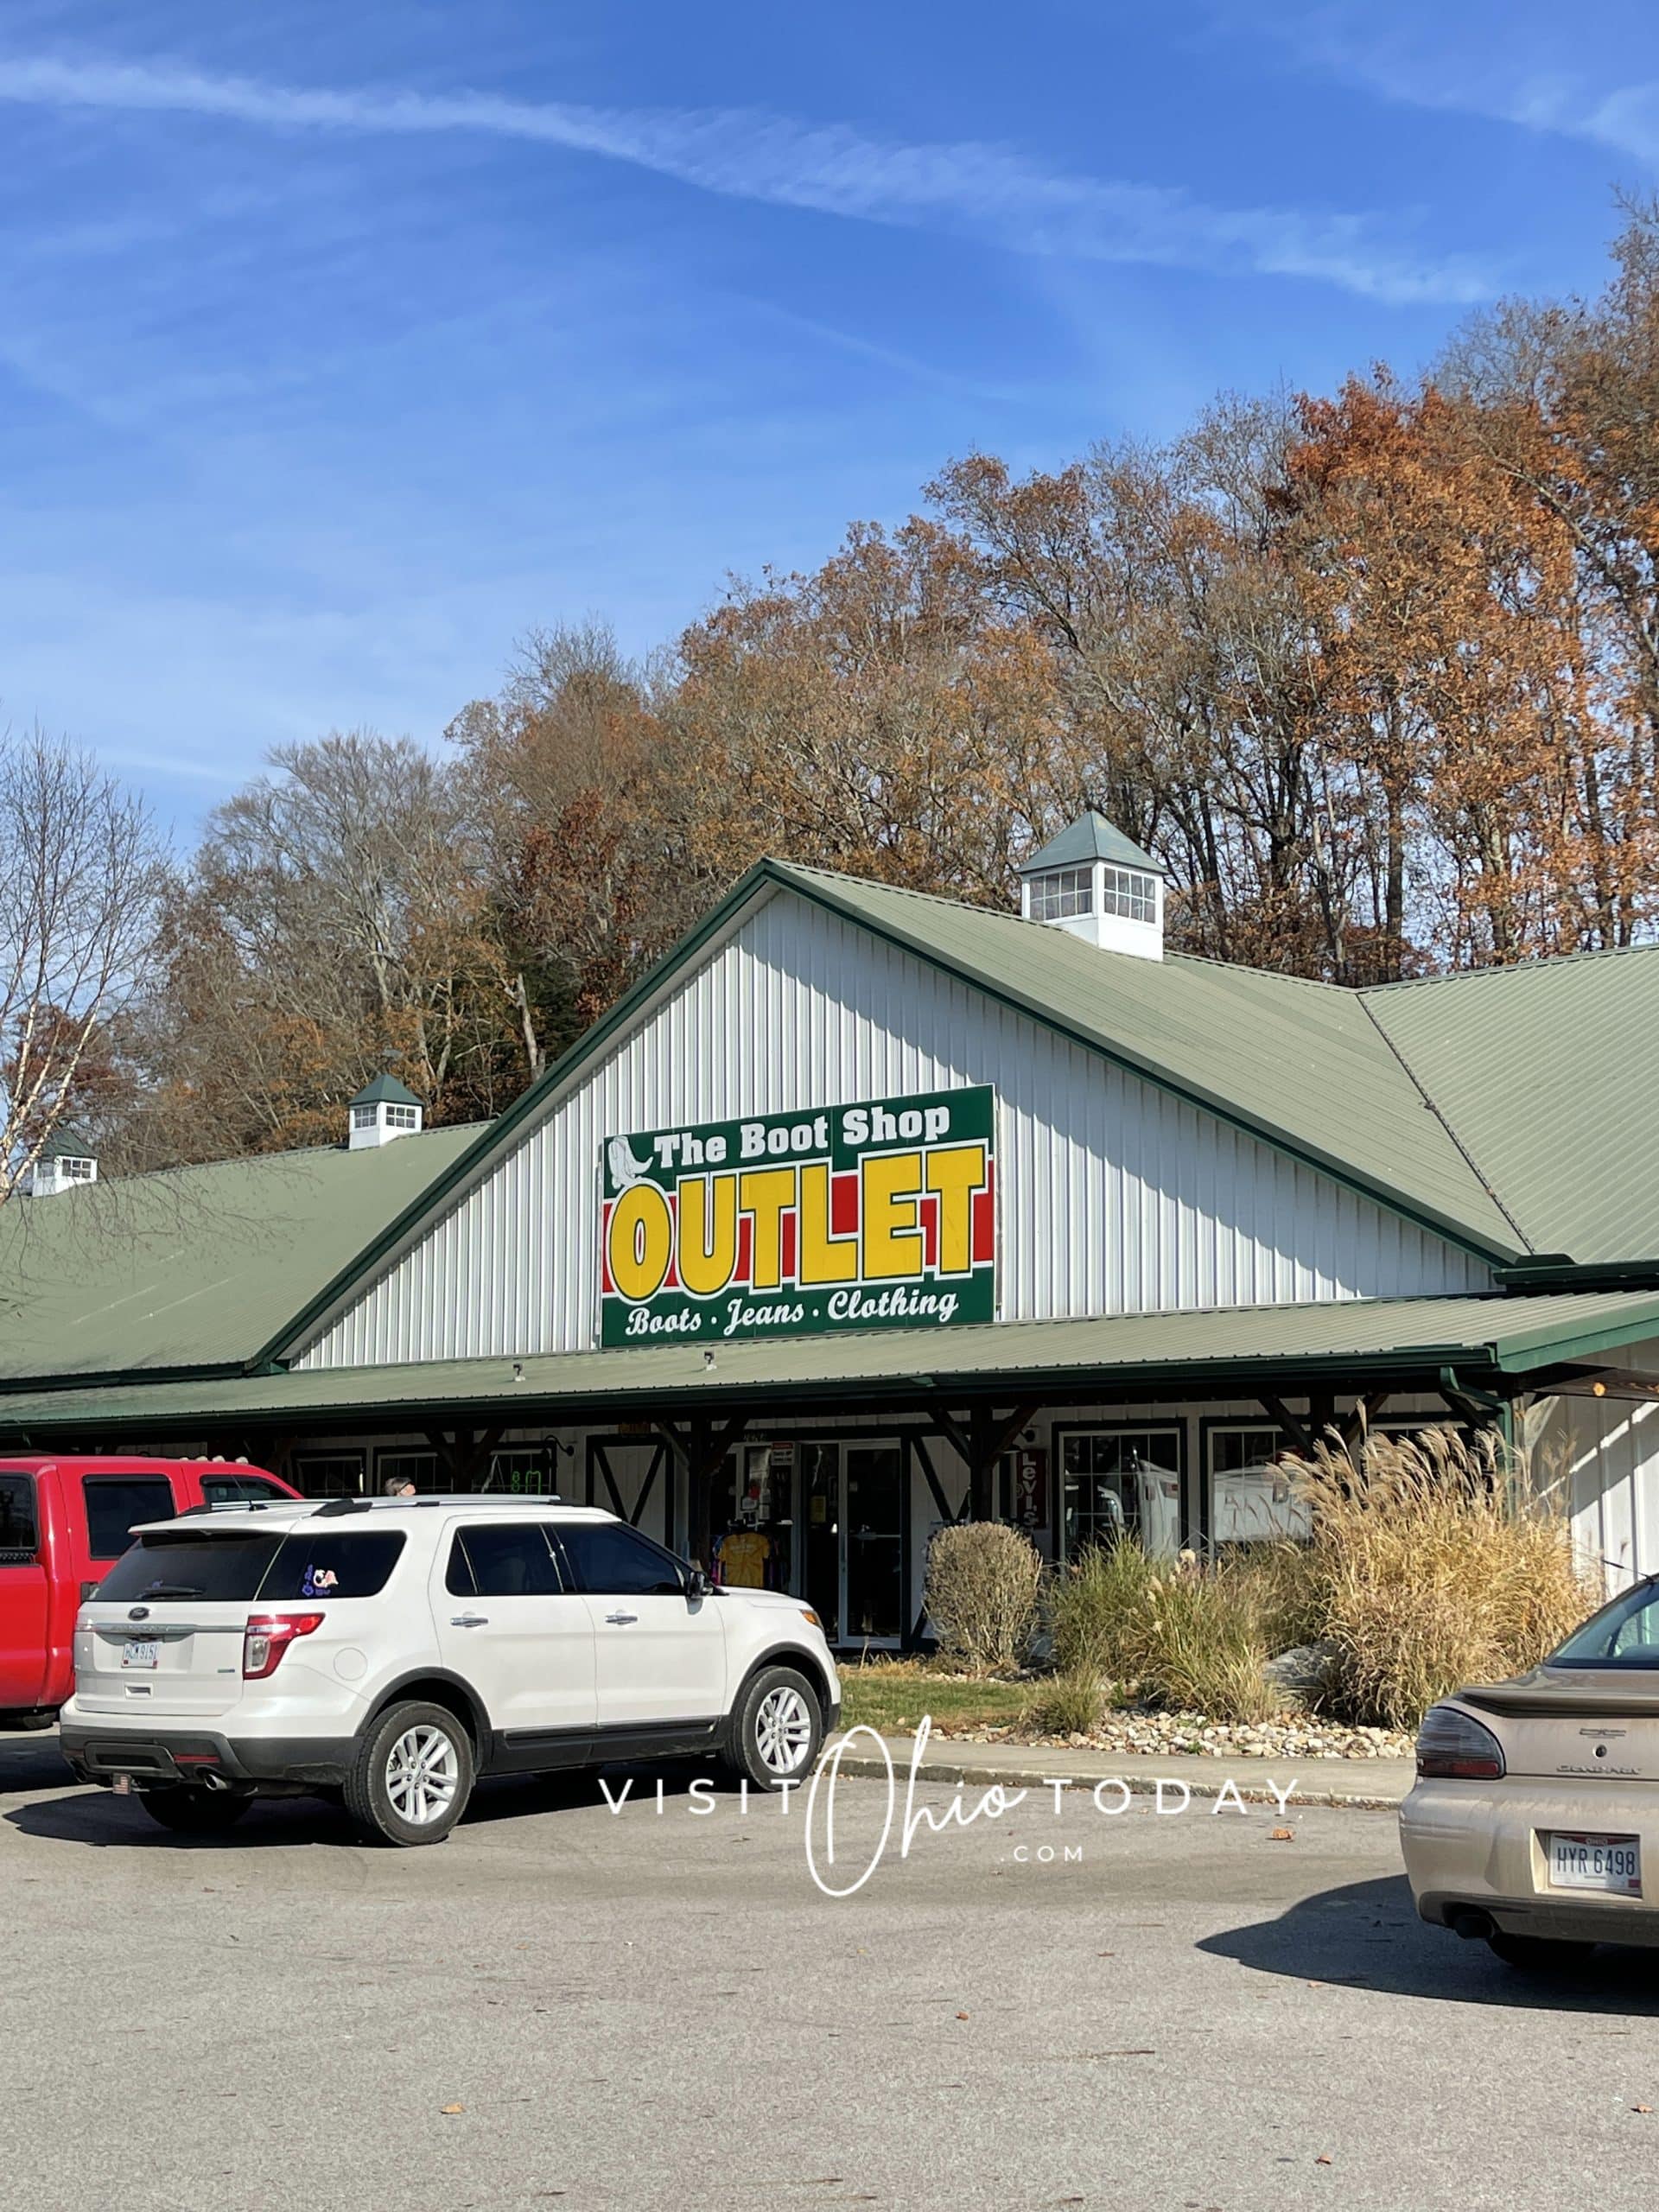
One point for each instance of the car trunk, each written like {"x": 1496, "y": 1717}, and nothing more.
{"x": 1585, "y": 1722}
{"x": 163, "y": 1634}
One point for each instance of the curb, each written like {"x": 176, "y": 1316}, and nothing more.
{"x": 1139, "y": 1785}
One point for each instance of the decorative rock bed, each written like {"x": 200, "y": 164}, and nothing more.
{"x": 1292, "y": 1735}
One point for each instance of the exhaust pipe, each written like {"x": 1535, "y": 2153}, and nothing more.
{"x": 212, "y": 1780}
{"x": 1474, "y": 1925}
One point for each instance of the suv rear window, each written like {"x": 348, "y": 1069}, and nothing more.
{"x": 173, "y": 1568}
{"x": 20, "y": 1533}
{"x": 116, "y": 1503}
{"x": 168, "y": 1569}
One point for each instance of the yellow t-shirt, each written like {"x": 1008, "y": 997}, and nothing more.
{"x": 743, "y": 1557}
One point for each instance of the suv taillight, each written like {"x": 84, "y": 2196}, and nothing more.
{"x": 268, "y": 1635}
{"x": 1451, "y": 1743}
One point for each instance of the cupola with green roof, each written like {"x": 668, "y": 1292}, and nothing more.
{"x": 383, "y": 1109}
{"x": 67, "y": 1157}
{"x": 1095, "y": 883}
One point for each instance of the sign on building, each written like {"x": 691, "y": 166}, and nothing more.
{"x": 875, "y": 1216}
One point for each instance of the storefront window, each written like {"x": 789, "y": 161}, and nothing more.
{"x": 420, "y": 1468}
{"x": 1120, "y": 1482}
{"x": 523, "y": 1470}
{"x": 328, "y": 1474}
{"x": 1251, "y": 1499}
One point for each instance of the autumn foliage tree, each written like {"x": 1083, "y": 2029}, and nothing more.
{"x": 1376, "y": 675}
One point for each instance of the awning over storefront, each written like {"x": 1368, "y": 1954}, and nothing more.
{"x": 1354, "y": 1345}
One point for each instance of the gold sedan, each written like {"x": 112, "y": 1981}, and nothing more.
{"x": 1533, "y": 1822}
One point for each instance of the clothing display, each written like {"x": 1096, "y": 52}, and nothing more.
{"x": 742, "y": 1555}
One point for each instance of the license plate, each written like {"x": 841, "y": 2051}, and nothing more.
{"x": 1612, "y": 1863}
{"x": 139, "y": 1651}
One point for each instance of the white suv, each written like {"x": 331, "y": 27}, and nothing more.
{"x": 388, "y": 1651}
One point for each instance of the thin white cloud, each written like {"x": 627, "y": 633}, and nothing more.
{"x": 981, "y": 190}
{"x": 1468, "y": 71}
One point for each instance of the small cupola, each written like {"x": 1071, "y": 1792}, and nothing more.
{"x": 383, "y": 1109}
{"x": 1098, "y": 884}
{"x": 67, "y": 1158}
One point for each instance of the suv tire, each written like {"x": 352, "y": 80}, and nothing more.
{"x": 413, "y": 1775}
{"x": 190, "y": 1810}
{"x": 776, "y": 1729}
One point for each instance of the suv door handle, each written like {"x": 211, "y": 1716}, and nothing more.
{"x": 620, "y": 1620}
{"x": 469, "y": 1620}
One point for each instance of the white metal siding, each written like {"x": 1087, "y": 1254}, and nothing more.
{"x": 1114, "y": 1197}
{"x": 1606, "y": 1452}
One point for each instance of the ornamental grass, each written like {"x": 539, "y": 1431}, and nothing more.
{"x": 1435, "y": 1561}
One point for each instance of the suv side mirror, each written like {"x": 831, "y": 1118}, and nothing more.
{"x": 697, "y": 1584}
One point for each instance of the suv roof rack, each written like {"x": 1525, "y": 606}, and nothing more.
{"x": 332, "y": 1509}
{"x": 235, "y": 1505}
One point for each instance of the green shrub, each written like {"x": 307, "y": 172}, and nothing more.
{"x": 981, "y": 1594}
{"x": 1200, "y": 1638}
{"x": 1093, "y": 1606}
{"x": 1068, "y": 1704}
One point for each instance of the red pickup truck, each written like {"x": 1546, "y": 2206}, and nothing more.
{"x": 63, "y": 1523}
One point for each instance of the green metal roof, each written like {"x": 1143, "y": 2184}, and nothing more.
{"x": 1302, "y": 1066}
{"x": 1549, "y": 1075}
{"x": 68, "y": 1140}
{"x": 1299, "y": 1064}
{"x": 200, "y": 1266}
{"x": 386, "y": 1090}
{"x": 1352, "y": 1344}
{"x": 1090, "y": 837}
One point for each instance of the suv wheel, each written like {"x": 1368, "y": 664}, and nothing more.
{"x": 190, "y": 1810}
{"x": 412, "y": 1776}
{"x": 777, "y": 1727}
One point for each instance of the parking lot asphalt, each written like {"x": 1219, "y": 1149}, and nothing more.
{"x": 568, "y": 2005}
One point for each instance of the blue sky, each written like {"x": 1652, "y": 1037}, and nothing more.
{"x": 341, "y": 345}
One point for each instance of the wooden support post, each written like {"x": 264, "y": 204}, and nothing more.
{"x": 464, "y": 1456}
{"x": 1356, "y": 1424}
{"x": 989, "y": 1437}
{"x": 700, "y": 1451}
{"x": 1277, "y": 1410}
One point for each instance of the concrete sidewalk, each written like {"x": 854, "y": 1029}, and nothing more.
{"x": 1372, "y": 1783}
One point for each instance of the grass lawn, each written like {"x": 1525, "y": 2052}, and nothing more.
{"x": 893, "y": 1695}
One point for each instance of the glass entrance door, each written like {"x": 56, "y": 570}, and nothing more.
{"x": 874, "y": 1543}
{"x": 820, "y": 1466}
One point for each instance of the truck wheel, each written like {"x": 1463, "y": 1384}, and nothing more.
{"x": 777, "y": 1727}
{"x": 191, "y": 1811}
{"x": 412, "y": 1776}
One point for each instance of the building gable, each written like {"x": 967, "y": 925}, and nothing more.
{"x": 1115, "y": 1194}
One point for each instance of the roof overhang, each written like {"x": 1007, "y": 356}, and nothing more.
{"x": 1347, "y": 1347}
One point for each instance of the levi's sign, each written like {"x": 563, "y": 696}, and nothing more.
{"x": 879, "y": 1216}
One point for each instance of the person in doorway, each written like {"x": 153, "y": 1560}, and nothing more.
{"x": 399, "y": 1486}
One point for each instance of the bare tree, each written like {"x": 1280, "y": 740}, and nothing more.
{"x": 81, "y": 874}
